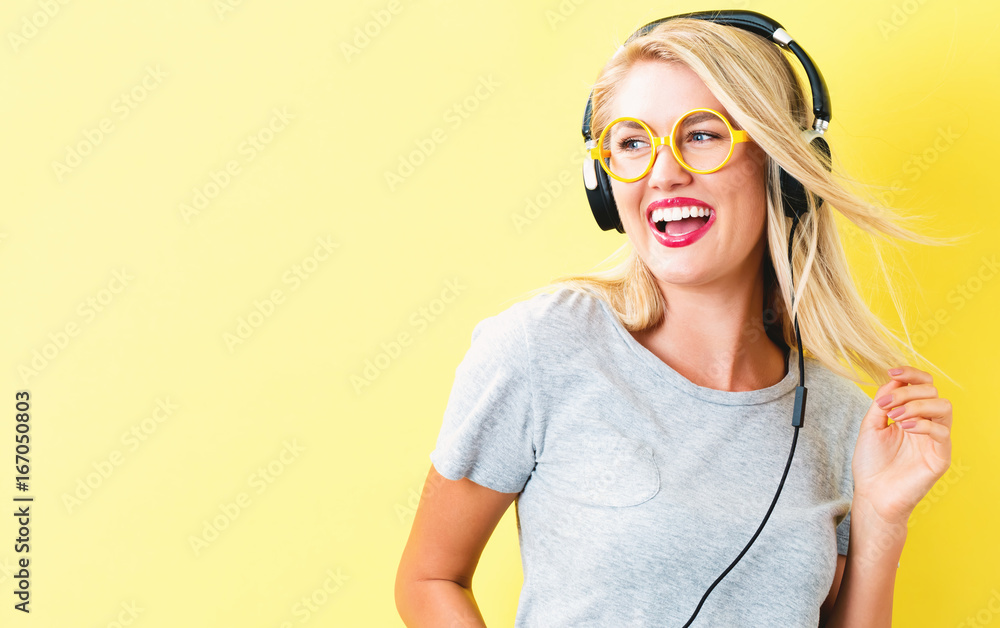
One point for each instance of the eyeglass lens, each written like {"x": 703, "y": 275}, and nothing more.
{"x": 701, "y": 139}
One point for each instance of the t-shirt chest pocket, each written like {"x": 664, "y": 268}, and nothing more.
{"x": 593, "y": 463}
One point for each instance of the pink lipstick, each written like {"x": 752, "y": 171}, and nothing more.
{"x": 677, "y": 210}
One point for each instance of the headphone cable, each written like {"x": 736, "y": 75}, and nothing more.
{"x": 797, "y": 416}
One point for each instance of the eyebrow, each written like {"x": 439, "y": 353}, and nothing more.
{"x": 630, "y": 124}
{"x": 701, "y": 116}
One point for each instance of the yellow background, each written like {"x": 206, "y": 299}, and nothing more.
{"x": 428, "y": 257}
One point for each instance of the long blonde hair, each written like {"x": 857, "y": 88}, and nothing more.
{"x": 756, "y": 84}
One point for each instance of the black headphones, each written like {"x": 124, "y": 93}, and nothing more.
{"x": 596, "y": 181}
{"x": 793, "y": 194}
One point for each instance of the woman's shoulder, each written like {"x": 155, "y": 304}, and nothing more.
{"x": 562, "y": 309}
{"x": 558, "y": 316}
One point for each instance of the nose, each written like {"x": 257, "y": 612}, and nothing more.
{"x": 667, "y": 172}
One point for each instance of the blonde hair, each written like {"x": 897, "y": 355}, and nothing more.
{"x": 756, "y": 84}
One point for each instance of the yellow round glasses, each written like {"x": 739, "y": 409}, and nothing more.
{"x": 702, "y": 141}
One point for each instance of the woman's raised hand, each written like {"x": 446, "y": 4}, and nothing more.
{"x": 895, "y": 465}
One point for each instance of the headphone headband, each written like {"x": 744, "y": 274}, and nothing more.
{"x": 794, "y": 195}
{"x": 759, "y": 25}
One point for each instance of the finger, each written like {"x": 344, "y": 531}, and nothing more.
{"x": 887, "y": 388}
{"x": 906, "y": 393}
{"x": 876, "y": 418}
{"x": 937, "y": 410}
{"x": 911, "y": 375}
{"x": 940, "y": 433}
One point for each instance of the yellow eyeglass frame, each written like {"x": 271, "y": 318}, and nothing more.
{"x": 596, "y": 152}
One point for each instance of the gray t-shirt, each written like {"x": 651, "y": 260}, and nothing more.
{"x": 637, "y": 487}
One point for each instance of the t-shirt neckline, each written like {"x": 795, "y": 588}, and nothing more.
{"x": 669, "y": 376}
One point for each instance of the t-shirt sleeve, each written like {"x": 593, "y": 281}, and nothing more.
{"x": 858, "y": 408}
{"x": 487, "y": 434}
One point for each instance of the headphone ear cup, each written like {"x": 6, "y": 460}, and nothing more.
{"x": 821, "y": 149}
{"x": 600, "y": 196}
{"x": 793, "y": 193}
{"x": 793, "y": 196}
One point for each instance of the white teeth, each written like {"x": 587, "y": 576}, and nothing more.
{"x": 670, "y": 214}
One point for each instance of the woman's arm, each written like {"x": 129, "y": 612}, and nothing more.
{"x": 865, "y": 596}
{"x": 453, "y": 522}
{"x": 894, "y": 467}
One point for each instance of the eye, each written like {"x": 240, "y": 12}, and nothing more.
{"x": 630, "y": 144}
{"x": 702, "y": 136}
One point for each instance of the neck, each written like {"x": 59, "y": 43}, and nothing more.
{"x": 715, "y": 336}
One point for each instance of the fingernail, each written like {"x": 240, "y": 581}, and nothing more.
{"x": 895, "y": 412}
{"x": 884, "y": 400}
{"x": 895, "y": 371}
{"x": 907, "y": 424}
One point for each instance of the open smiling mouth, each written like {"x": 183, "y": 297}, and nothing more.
{"x": 677, "y": 221}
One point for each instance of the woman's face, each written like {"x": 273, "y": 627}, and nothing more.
{"x": 729, "y": 251}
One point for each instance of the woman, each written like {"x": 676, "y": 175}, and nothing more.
{"x": 639, "y": 416}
